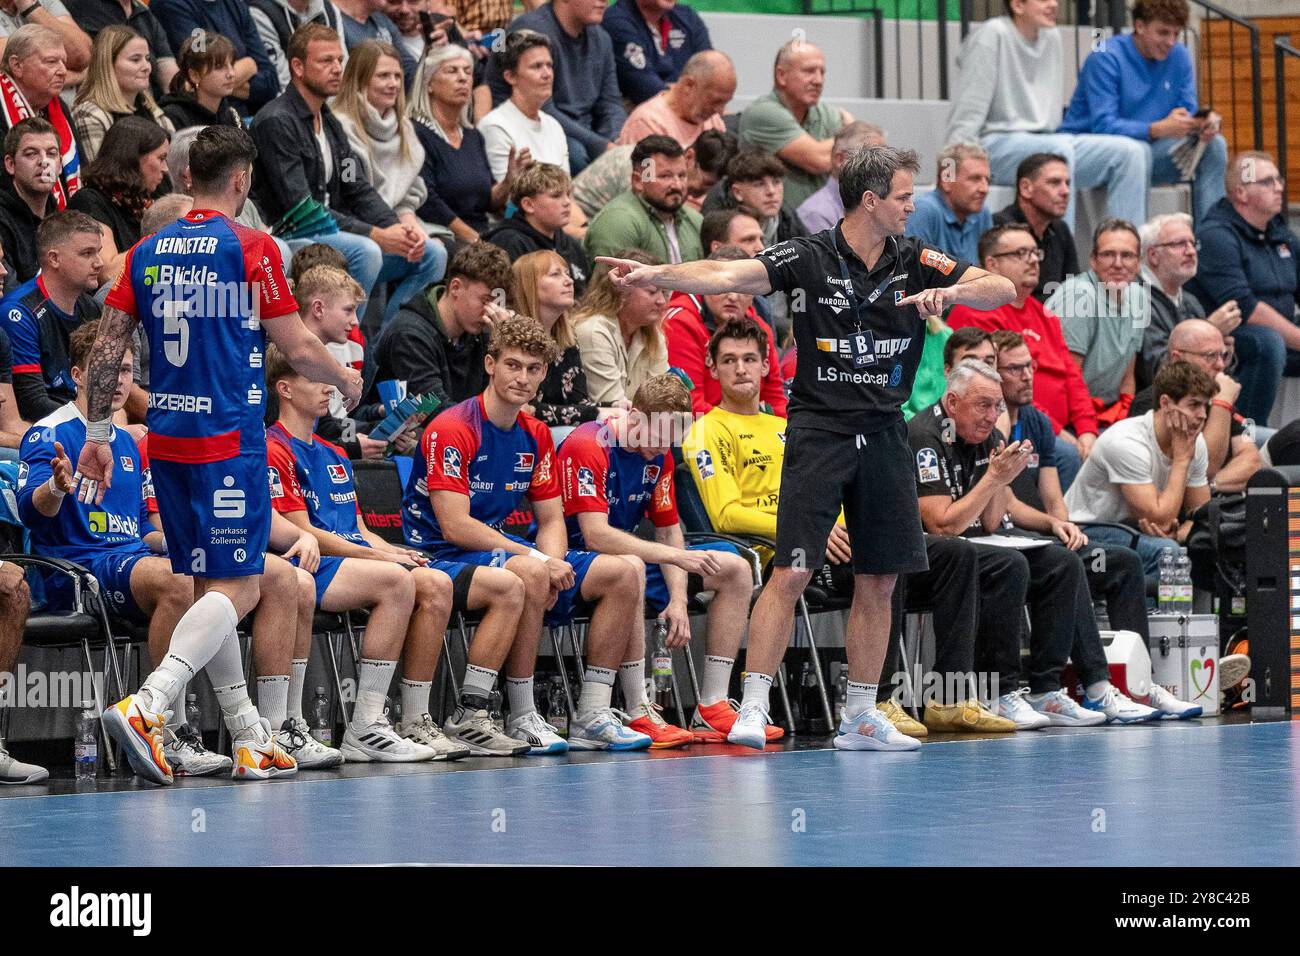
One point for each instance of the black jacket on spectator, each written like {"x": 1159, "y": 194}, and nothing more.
{"x": 101, "y": 208}
{"x": 518, "y": 238}
{"x": 93, "y": 15}
{"x": 290, "y": 166}
{"x": 459, "y": 180}
{"x": 1241, "y": 262}
{"x": 562, "y": 398}
{"x": 230, "y": 18}
{"x": 415, "y": 348}
{"x": 18, "y": 235}
{"x": 1155, "y": 340}
{"x": 788, "y": 224}
{"x": 184, "y": 110}
{"x": 1060, "y": 257}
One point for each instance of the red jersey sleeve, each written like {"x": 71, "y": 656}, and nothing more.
{"x": 265, "y": 272}
{"x": 122, "y": 295}
{"x": 449, "y": 446}
{"x": 663, "y": 506}
{"x": 546, "y": 480}
{"x": 584, "y": 473}
{"x": 282, "y": 473}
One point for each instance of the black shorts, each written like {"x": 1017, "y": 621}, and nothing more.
{"x": 872, "y": 477}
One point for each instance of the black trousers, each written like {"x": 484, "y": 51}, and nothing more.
{"x": 1115, "y": 576}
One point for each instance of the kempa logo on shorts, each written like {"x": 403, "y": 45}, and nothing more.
{"x": 228, "y": 504}
{"x": 75, "y": 909}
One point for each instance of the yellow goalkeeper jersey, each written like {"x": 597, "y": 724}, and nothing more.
{"x": 736, "y": 463}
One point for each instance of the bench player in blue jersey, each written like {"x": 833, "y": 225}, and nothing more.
{"x": 208, "y": 292}
{"x": 478, "y": 461}
{"x": 613, "y": 475}
{"x": 119, "y": 544}
{"x": 409, "y": 597}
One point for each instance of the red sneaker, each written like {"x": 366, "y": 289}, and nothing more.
{"x": 663, "y": 735}
{"x": 713, "y": 722}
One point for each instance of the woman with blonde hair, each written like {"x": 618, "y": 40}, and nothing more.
{"x": 116, "y": 85}
{"x": 620, "y": 334}
{"x": 543, "y": 289}
{"x": 371, "y": 106}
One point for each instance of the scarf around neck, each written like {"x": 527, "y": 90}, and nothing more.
{"x": 16, "y": 109}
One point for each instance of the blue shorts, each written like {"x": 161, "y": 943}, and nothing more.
{"x": 112, "y": 569}
{"x": 330, "y": 564}
{"x": 656, "y": 588}
{"x": 216, "y": 515}
{"x": 569, "y": 601}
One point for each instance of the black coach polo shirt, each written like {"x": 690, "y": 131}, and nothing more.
{"x": 944, "y": 467}
{"x": 858, "y": 348}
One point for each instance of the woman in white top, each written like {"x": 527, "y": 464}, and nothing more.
{"x": 371, "y": 107}
{"x": 519, "y": 122}
{"x": 620, "y": 334}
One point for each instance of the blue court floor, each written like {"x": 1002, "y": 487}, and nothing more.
{"x": 1168, "y": 794}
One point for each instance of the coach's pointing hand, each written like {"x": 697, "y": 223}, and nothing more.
{"x": 629, "y": 274}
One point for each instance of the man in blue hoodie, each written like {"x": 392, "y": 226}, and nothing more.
{"x": 1141, "y": 85}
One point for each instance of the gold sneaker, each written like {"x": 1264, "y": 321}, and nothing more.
{"x": 968, "y": 717}
{"x": 902, "y": 720}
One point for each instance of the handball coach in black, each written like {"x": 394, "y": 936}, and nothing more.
{"x": 858, "y": 296}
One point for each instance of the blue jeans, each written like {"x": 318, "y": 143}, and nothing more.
{"x": 1261, "y": 359}
{"x": 369, "y": 264}
{"x": 1207, "y": 182}
{"x": 1148, "y": 548}
{"x": 579, "y": 158}
{"x": 1068, "y": 463}
{"x": 1119, "y": 163}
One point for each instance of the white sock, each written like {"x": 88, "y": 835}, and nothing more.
{"x": 415, "y": 699}
{"x": 479, "y": 682}
{"x": 519, "y": 692}
{"x": 297, "y": 684}
{"x": 226, "y": 671}
{"x": 200, "y": 634}
{"x": 1098, "y": 690}
{"x": 597, "y": 689}
{"x": 861, "y": 698}
{"x": 757, "y": 689}
{"x": 373, "y": 680}
{"x": 177, "y": 703}
{"x": 717, "y": 678}
{"x": 273, "y": 699}
{"x": 631, "y": 677}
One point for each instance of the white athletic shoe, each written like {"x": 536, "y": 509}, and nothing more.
{"x": 1119, "y": 709}
{"x": 258, "y": 756}
{"x": 1233, "y": 669}
{"x": 474, "y": 729}
{"x": 872, "y": 731}
{"x": 1169, "y": 707}
{"x": 540, "y": 736}
{"x": 187, "y": 755}
{"x": 295, "y": 737}
{"x": 15, "y": 772}
{"x": 750, "y": 728}
{"x": 427, "y": 733}
{"x": 1064, "y": 711}
{"x": 603, "y": 729}
{"x": 378, "y": 742}
{"x": 1016, "y": 709}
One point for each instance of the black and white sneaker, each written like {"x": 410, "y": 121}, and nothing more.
{"x": 474, "y": 729}
{"x": 379, "y": 742}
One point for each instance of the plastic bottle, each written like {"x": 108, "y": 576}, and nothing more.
{"x": 85, "y": 751}
{"x": 842, "y": 690}
{"x": 1183, "y": 583}
{"x": 192, "y": 714}
{"x": 557, "y": 708}
{"x": 661, "y": 659}
{"x": 321, "y": 726}
{"x": 1167, "y": 591}
{"x": 494, "y": 711}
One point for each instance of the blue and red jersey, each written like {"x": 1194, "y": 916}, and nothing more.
{"x": 315, "y": 477}
{"x": 201, "y": 287}
{"x": 597, "y": 474}
{"x": 462, "y": 451}
{"x": 39, "y": 332}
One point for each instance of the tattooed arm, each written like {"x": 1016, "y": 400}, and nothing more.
{"x": 95, "y": 466}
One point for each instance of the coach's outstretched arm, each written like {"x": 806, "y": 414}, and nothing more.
{"x": 702, "y": 277}
{"x": 95, "y": 465}
{"x": 975, "y": 289}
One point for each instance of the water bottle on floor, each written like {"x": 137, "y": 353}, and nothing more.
{"x": 321, "y": 728}
{"x": 1183, "y": 583}
{"x": 1167, "y": 592}
{"x": 661, "y": 659}
{"x": 494, "y": 711}
{"x": 86, "y": 743}
{"x": 192, "y": 715}
{"x": 557, "y": 708}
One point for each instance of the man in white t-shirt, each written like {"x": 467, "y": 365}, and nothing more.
{"x": 1149, "y": 472}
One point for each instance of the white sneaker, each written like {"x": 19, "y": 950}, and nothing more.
{"x": 1233, "y": 669}
{"x": 378, "y": 742}
{"x": 258, "y": 756}
{"x": 1016, "y": 709}
{"x": 187, "y": 755}
{"x": 428, "y": 734}
{"x": 540, "y": 736}
{"x": 1063, "y": 711}
{"x": 15, "y": 772}
{"x": 295, "y": 737}
{"x": 604, "y": 730}
{"x": 750, "y": 728}
{"x": 474, "y": 729}
{"x": 872, "y": 731}
{"x": 1120, "y": 709}
{"x": 1169, "y": 707}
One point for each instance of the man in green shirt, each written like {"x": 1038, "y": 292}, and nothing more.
{"x": 652, "y": 215}
{"x": 794, "y": 123}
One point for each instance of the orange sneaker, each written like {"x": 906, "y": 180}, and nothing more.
{"x": 663, "y": 735}
{"x": 140, "y": 732}
{"x": 713, "y": 722}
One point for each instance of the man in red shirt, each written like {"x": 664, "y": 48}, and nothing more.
{"x": 691, "y": 319}
{"x": 1012, "y": 251}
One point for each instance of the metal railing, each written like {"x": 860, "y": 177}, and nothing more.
{"x": 1282, "y": 49}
